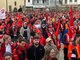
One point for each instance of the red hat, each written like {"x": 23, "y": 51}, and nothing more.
{"x": 1, "y": 27}
{"x": 37, "y": 31}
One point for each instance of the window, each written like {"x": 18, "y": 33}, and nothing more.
{"x": 15, "y": 3}
{"x": 47, "y": 2}
{"x": 70, "y": 0}
{"x": 40, "y": 1}
{"x": 65, "y": 1}
{"x": 43, "y": 1}
{"x": 10, "y": 8}
{"x": 37, "y": 1}
{"x": 28, "y": 0}
{"x": 75, "y": 0}
{"x": 60, "y": 2}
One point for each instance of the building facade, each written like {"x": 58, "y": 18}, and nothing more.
{"x": 10, "y": 4}
{"x": 42, "y": 3}
{"x": 71, "y": 2}
{"x": 29, "y": 3}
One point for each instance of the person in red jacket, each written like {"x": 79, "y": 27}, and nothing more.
{"x": 1, "y": 57}
{"x": 31, "y": 41}
{"x": 70, "y": 48}
{"x": 6, "y": 45}
{"x": 42, "y": 39}
{"x": 22, "y": 50}
{"x": 15, "y": 55}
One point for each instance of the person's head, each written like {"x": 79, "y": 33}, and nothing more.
{"x": 1, "y": 30}
{"x": 22, "y": 43}
{"x": 38, "y": 32}
{"x": 52, "y": 53}
{"x": 7, "y": 39}
{"x": 2, "y": 10}
{"x": 8, "y": 56}
{"x": 66, "y": 25}
{"x": 37, "y": 22}
{"x": 25, "y": 24}
{"x": 31, "y": 39}
{"x": 50, "y": 29}
{"x": 48, "y": 40}
{"x": 19, "y": 38}
{"x": 36, "y": 40}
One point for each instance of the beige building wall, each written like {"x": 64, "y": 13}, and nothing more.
{"x": 6, "y": 3}
{"x": 2, "y": 4}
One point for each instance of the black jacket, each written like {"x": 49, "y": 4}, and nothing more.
{"x": 74, "y": 52}
{"x": 36, "y": 53}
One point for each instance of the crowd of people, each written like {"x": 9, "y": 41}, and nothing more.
{"x": 40, "y": 35}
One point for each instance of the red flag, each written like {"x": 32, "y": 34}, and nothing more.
{"x": 71, "y": 17}
{"x": 56, "y": 34}
{"x": 71, "y": 27}
{"x": 46, "y": 15}
{"x": 71, "y": 31}
{"x": 57, "y": 30}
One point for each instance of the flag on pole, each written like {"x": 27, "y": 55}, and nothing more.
{"x": 71, "y": 22}
{"x": 57, "y": 30}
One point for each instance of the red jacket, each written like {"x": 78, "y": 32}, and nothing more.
{"x": 3, "y": 48}
{"x": 25, "y": 48}
{"x": 1, "y": 58}
{"x": 42, "y": 40}
{"x": 15, "y": 55}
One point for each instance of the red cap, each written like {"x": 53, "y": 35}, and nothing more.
{"x": 1, "y": 27}
{"x": 37, "y": 31}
